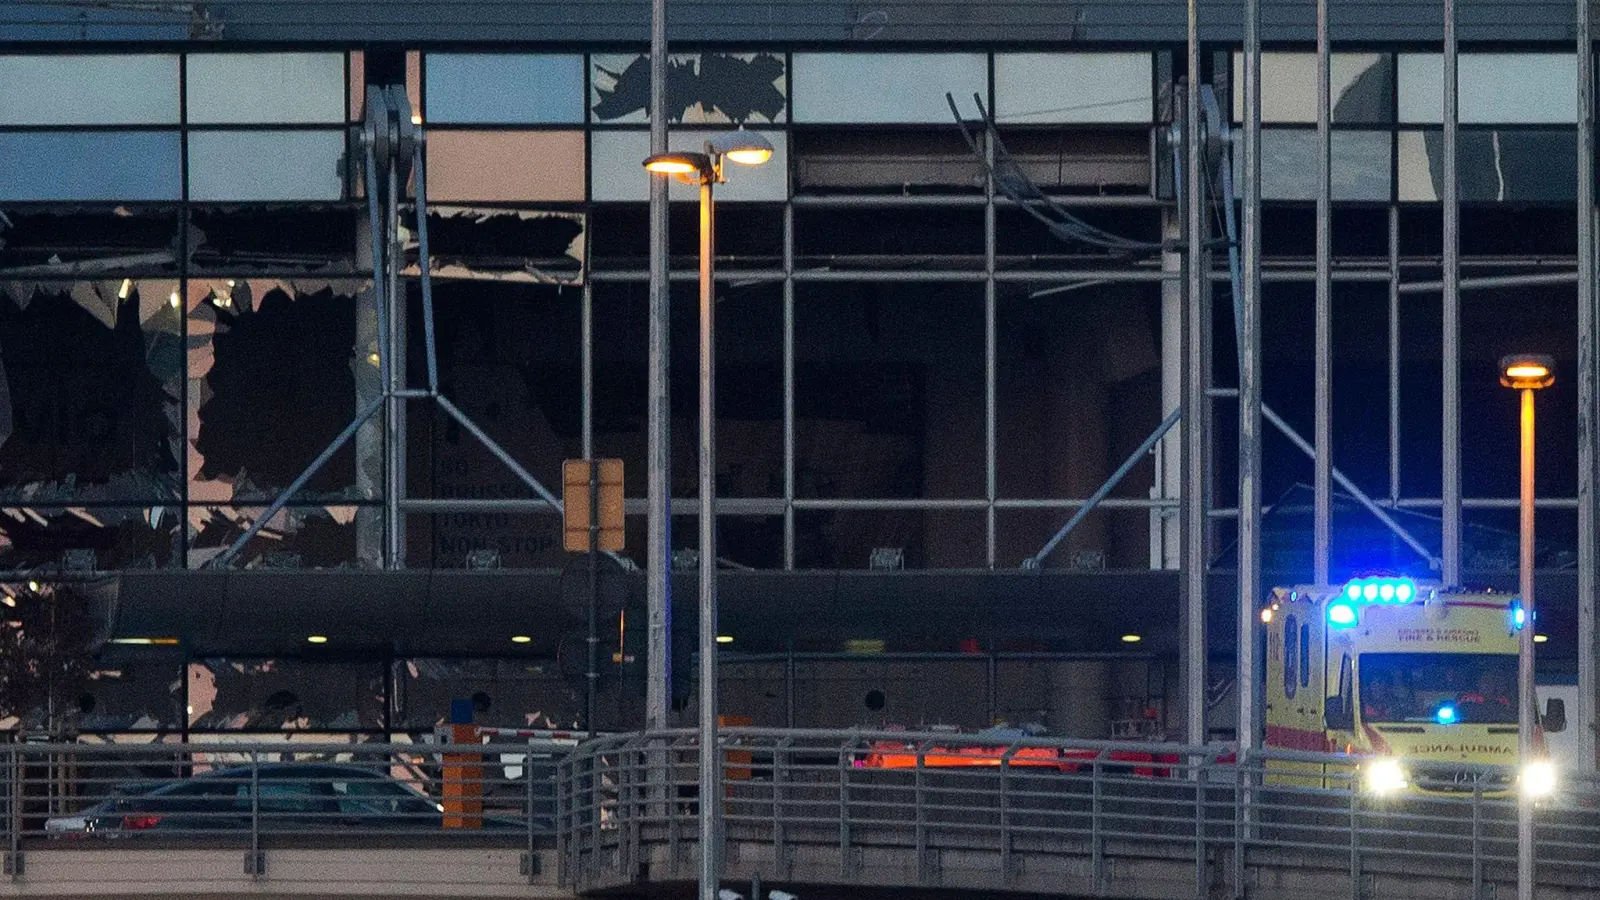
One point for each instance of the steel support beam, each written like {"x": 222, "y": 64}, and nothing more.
{"x": 1250, "y": 587}
{"x": 1196, "y": 407}
{"x": 658, "y": 439}
{"x": 1322, "y": 477}
{"x": 1588, "y": 396}
{"x": 1450, "y": 462}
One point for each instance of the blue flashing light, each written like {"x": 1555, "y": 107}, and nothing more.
{"x": 1519, "y": 616}
{"x": 1381, "y": 590}
{"x": 1446, "y": 715}
{"x": 1341, "y": 615}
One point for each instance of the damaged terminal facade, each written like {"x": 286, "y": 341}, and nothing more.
{"x": 916, "y": 371}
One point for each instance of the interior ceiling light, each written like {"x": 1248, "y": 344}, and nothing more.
{"x": 317, "y": 639}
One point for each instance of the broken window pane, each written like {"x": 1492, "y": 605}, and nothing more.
{"x": 515, "y": 693}
{"x": 508, "y": 357}
{"x": 266, "y": 165}
{"x": 1099, "y": 161}
{"x": 89, "y": 90}
{"x": 887, "y": 87}
{"x": 67, "y": 242}
{"x": 1046, "y": 88}
{"x": 618, "y": 171}
{"x": 89, "y": 398}
{"x": 284, "y": 695}
{"x": 889, "y": 390}
{"x": 310, "y": 239}
{"x": 127, "y": 694}
{"x": 1361, "y": 88}
{"x": 1497, "y": 165}
{"x": 1361, "y": 165}
{"x": 267, "y": 88}
{"x": 497, "y": 244}
{"x": 272, "y": 381}
{"x": 702, "y": 88}
{"x": 96, "y": 538}
{"x": 504, "y": 88}
{"x": 298, "y": 537}
{"x": 1494, "y": 88}
{"x": 90, "y": 165}
{"x": 506, "y": 166}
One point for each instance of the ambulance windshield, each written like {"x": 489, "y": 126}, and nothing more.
{"x": 1444, "y": 688}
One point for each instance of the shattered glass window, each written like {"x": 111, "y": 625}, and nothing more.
{"x": 89, "y": 89}
{"x": 507, "y": 693}
{"x": 83, "y": 241}
{"x": 270, "y": 88}
{"x": 266, "y": 165}
{"x": 285, "y": 695}
{"x": 507, "y": 166}
{"x": 616, "y": 172}
{"x": 508, "y": 356}
{"x": 310, "y": 537}
{"x": 702, "y": 88}
{"x": 1495, "y": 165}
{"x": 144, "y": 694}
{"x": 1361, "y": 88}
{"x": 90, "y": 165}
{"x": 499, "y": 244}
{"x": 91, "y": 390}
{"x": 1048, "y": 88}
{"x": 273, "y": 369}
{"x": 1494, "y": 88}
{"x": 89, "y": 538}
{"x": 301, "y": 238}
{"x": 504, "y": 88}
{"x": 1360, "y": 167}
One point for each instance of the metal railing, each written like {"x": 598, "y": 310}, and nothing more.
{"x": 627, "y": 808}
{"x": 258, "y": 795}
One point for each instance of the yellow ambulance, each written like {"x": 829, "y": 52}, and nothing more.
{"x": 1418, "y": 682}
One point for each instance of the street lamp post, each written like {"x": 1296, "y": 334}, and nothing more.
{"x": 705, "y": 170}
{"x": 1526, "y": 373}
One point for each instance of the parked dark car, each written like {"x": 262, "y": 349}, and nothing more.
{"x": 285, "y": 797}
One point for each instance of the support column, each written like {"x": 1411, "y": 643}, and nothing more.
{"x": 369, "y": 444}
{"x": 1450, "y": 463}
{"x": 1588, "y": 385}
{"x": 1322, "y": 476}
{"x": 658, "y": 555}
{"x": 1250, "y": 587}
{"x": 1196, "y": 408}
{"x": 1165, "y": 525}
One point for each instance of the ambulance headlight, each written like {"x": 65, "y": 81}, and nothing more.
{"x": 1538, "y": 779}
{"x": 1384, "y": 776}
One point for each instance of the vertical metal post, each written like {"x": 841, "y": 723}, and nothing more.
{"x": 1588, "y": 397}
{"x": 592, "y": 678}
{"x": 1196, "y": 412}
{"x": 1322, "y": 478}
{"x": 1526, "y": 709}
{"x": 586, "y": 410}
{"x": 658, "y": 553}
{"x": 1450, "y": 463}
{"x": 1394, "y": 354}
{"x": 989, "y": 355}
{"x": 527, "y": 772}
{"x": 1250, "y": 588}
{"x": 710, "y": 763}
{"x": 788, "y": 388}
{"x": 395, "y": 422}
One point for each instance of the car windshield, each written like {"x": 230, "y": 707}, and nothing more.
{"x": 1447, "y": 688}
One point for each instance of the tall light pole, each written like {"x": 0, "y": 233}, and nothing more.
{"x": 1526, "y": 373}
{"x": 705, "y": 169}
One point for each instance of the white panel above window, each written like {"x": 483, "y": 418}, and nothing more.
{"x": 1053, "y": 88}
{"x": 266, "y": 88}
{"x": 266, "y": 165}
{"x": 910, "y": 88}
{"x": 616, "y": 169}
{"x": 89, "y": 90}
{"x": 1494, "y": 88}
